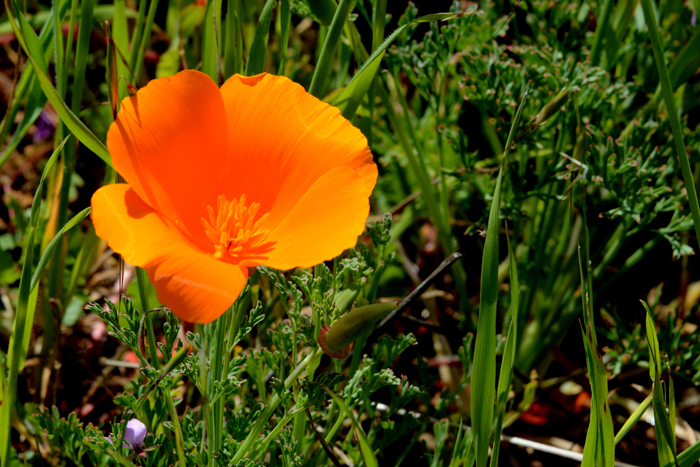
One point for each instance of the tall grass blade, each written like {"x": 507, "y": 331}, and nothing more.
{"x": 688, "y": 457}
{"x": 368, "y": 456}
{"x": 506, "y": 374}
{"x": 209, "y": 49}
{"x": 27, "y": 85}
{"x": 665, "y": 438}
{"x": 484, "y": 367}
{"x": 599, "y": 449}
{"x": 601, "y": 32}
{"x": 667, "y": 91}
{"x": 145, "y": 40}
{"x": 285, "y": 22}
{"x": 256, "y": 57}
{"x": 81, "y": 53}
{"x": 325, "y": 60}
{"x": 233, "y": 48}
{"x": 30, "y": 43}
{"x": 24, "y": 316}
{"x": 633, "y": 419}
{"x": 350, "y": 99}
{"x": 120, "y": 38}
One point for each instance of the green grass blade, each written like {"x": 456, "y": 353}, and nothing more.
{"x": 365, "y": 448}
{"x": 688, "y": 457}
{"x": 352, "y": 96}
{"x": 81, "y": 53}
{"x": 35, "y": 105}
{"x": 30, "y": 43}
{"x": 665, "y": 439}
{"x": 484, "y": 367}
{"x": 602, "y": 31}
{"x": 323, "y": 66}
{"x": 26, "y": 84}
{"x": 232, "y": 40}
{"x": 324, "y": 10}
{"x": 633, "y": 419}
{"x": 24, "y": 316}
{"x": 256, "y": 57}
{"x": 667, "y": 91}
{"x": 285, "y": 22}
{"x": 506, "y": 374}
{"x": 136, "y": 36}
{"x": 209, "y": 39}
{"x": 146, "y": 39}
{"x": 81, "y": 262}
{"x": 120, "y": 37}
{"x": 54, "y": 243}
{"x": 600, "y": 439}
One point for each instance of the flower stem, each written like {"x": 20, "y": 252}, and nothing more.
{"x": 667, "y": 91}
{"x": 176, "y": 427}
{"x": 269, "y": 410}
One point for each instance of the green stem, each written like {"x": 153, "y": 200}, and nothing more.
{"x": 323, "y": 67}
{"x": 142, "y": 280}
{"x": 145, "y": 39}
{"x": 272, "y": 405}
{"x": 176, "y": 428}
{"x": 667, "y": 91}
{"x": 600, "y": 32}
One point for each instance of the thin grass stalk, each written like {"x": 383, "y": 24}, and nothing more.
{"x": 17, "y": 347}
{"x": 484, "y": 367}
{"x": 256, "y": 56}
{"x": 285, "y": 13}
{"x": 633, "y": 419}
{"x": 216, "y": 350}
{"x": 232, "y": 51}
{"x": 378, "y": 26}
{"x": 145, "y": 40}
{"x": 667, "y": 91}
{"x": 69, "y": 39}
{"x": 176, "y": 428}
{"x": 325, "y": 61}
{"x": 142, "y": 281}
{"x": 272, "y": 405}
{"x": 120, "y": 36}
{"x": 208, "y": 55}
{"x": 409, "y": 141}
{"x": 506, "y": 375}
{"x": 32, "y": 47}
{"x": 136, "y": 37}
{"x": 26, "y": 84}
{"x": 601, "y": 32}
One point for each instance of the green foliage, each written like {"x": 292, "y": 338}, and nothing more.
{"x": 594, "y": 157}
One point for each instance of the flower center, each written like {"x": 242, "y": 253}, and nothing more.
{"x": 235, "y": 232}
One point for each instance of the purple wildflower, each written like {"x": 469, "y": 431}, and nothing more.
{"x": 135, "y": 434}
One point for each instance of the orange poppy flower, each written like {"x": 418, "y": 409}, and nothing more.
{"x": 220, "y": 180}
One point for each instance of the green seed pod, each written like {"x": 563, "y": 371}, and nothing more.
{"x": 551, "y": 108}
{"x": 324, "y": 10}
{"x": 336, "y": 340}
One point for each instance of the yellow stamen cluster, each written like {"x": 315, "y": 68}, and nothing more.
{"x": 235, "y": 232}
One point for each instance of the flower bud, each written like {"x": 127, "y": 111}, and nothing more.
{"x": 335, "y": 340}
{"x": 551, "y": 108}
{"x": 135, "y": 434}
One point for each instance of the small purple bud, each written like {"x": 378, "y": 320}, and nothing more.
{"x": 44, "y": 127}
{"x": 135, "y": 434}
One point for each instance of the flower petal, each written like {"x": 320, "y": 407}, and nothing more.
{"x": 135, "y": 433}
{"x": 169, "y": 143}
{"x": 326, "y": 220}
{"x": 194, "y": 285}
{"x": 283, "y": 140}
